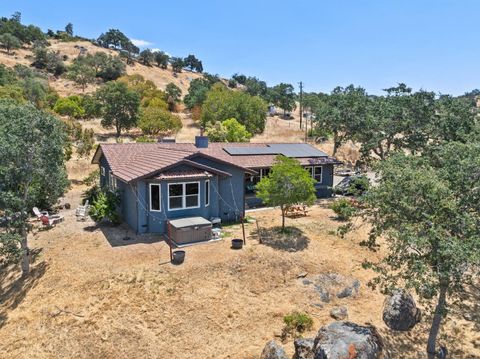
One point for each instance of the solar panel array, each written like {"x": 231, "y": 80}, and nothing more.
{"x": 297, "y": 150}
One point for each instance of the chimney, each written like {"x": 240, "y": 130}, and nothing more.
{"x": 201, "y": 141}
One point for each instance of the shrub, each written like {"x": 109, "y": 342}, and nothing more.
{"x": 69, "y": 107}
{"x": 296, "y": 323}
{"x": 343, "y": 208}
{"x": 155, "y": 120}
{"x": 358, "y": 186}
{"x": 104, "y": 207}
{"x": 92, "y": 178}
{"x": 228, "y": 131}
{"x": 145, "y": 139}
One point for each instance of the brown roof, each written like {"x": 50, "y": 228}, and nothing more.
{"x": 131, "y": 161}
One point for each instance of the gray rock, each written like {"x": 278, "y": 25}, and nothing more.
{"x": 339, "y": 313}
{"x": 273, "y": 350}
{"x": 329, "y": 285}
{"x": 341, "y": 340}
{"x": 400, "y": 311}
{"x": 303, "y": 348}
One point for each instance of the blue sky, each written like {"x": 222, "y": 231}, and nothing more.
{"x": 429, "y": 44}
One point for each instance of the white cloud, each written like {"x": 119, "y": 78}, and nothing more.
{"x": 157, "y": 49}
{"x": 140, "y": 43}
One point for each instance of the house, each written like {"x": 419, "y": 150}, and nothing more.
{"x": 166, "y": 181}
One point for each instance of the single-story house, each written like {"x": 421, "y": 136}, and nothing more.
{"x": 166, "y": 181}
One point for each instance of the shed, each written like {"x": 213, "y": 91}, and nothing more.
{"x": 190, "y": 230}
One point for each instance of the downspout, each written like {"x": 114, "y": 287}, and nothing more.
{"x": 136, "y": 207}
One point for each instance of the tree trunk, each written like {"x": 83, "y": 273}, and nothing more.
{"x": 437, "y": 319}
{"x": 283, "y": 217}
{"x": 25, "y": 253}
{"x": 336, "y": 143}
{"x": 118, "y": 130}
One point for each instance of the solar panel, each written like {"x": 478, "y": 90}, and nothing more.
{"x": 297, "y": 150}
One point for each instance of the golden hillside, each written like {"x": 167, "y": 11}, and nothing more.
{"x": 71, "y": 49}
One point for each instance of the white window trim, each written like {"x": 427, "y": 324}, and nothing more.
{"x": 207, "y": 198}
{"x": 112, "y": 181}
{"x": 321, "y": 173}
{"x": 159, "y": 196}
{"x": 184, "y": 196}
{"x": 311, "y": 170}
{"x": 102, "y": 171}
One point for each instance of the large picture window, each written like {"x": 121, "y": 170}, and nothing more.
{"x": 183, "y": 195}
{"x": 155, "y": 200}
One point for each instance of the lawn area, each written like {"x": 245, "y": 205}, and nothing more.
{"x": 92, "y": 294}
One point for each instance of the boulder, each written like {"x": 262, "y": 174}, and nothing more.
{"x": 329, "y": 285}
{"x": 339, "y": 313}
{"x": 400, "y": 311}
{"x": 273, "y": 350}
{"x": 303, "y": 348}
{"x": 341, "y": 340}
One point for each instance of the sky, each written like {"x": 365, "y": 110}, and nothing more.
{"x": 427, "y": 44}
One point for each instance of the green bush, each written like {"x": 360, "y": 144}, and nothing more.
{"x": 92, "y": 178}
{"x": 358, "y": 186}
{"x": 296, "y": 323}
{"x": 67, "y": 106}
{"x": 343, "y": 208}
{"x": 145, "y": 139}
{"x": 104, "y": 207}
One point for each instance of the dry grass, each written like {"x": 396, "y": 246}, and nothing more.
{"x": 92, "y": 294}
{"x": 66, "y": 87}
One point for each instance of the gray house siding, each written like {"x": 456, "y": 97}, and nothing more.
{"x": 231, "y": 189}
{"x": 324, "y": 188}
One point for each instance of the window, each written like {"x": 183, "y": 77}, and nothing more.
{"x": 317, "y": 173}
{"x": 207, "y": 193}
{"x": 183, "y": 195}
{"x": 264, "y": 172}
{"x": 310, "y": 170}
{"x": 155, "y": 199}
{"x": 102, "y": 170}
{"x": 112, "y": 181}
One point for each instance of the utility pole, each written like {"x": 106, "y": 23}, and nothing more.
{"x": 301, "y": 103}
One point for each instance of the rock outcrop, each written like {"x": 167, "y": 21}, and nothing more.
{"x": 339, "y": 313}
{"x": 273, "y": 350}
{"x": 304, "y": 348}
{"x": 400, "y": 311}
{"x": 341, "y": 340}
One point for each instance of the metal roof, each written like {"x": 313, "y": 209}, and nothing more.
{"x": 297, "y": 150}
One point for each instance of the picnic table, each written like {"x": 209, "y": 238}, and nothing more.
{"x": 296, "y": 210}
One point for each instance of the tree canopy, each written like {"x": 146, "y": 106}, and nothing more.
{"x": 156, "y": 120}
{"x": 288, "y": 183}
{"x": 32, "y": 169}
{"x": 428, "y": 210}
{"x": 229, "y": 130}
{"x": 222, "y": 103}
{"x": 120, "y": 106}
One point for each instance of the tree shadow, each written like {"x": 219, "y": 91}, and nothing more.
{"x": 122, "y": 235}
{"x": 14, "y": 290}
{"x": 291, "y": 239}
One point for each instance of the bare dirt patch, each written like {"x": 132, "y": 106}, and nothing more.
{"x": 94, "y": 294}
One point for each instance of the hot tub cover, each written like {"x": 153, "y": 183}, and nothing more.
{"x": 189, "y": 222}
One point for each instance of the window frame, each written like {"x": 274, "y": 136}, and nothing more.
{"x": 321, "y": 173}
{"x": 102, "y": 171}
{"x": 311, "y": 171}
{"x": 184, "y": 195}
{"x": 159, "y": 185}
{"x": 207, "y": 195}
{"x": 112, "y": 181}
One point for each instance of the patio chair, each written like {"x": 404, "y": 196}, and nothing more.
{"x": 82, "y": 211}
{"x": 50, "y": 221}
{"x": 39, "y": 213}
